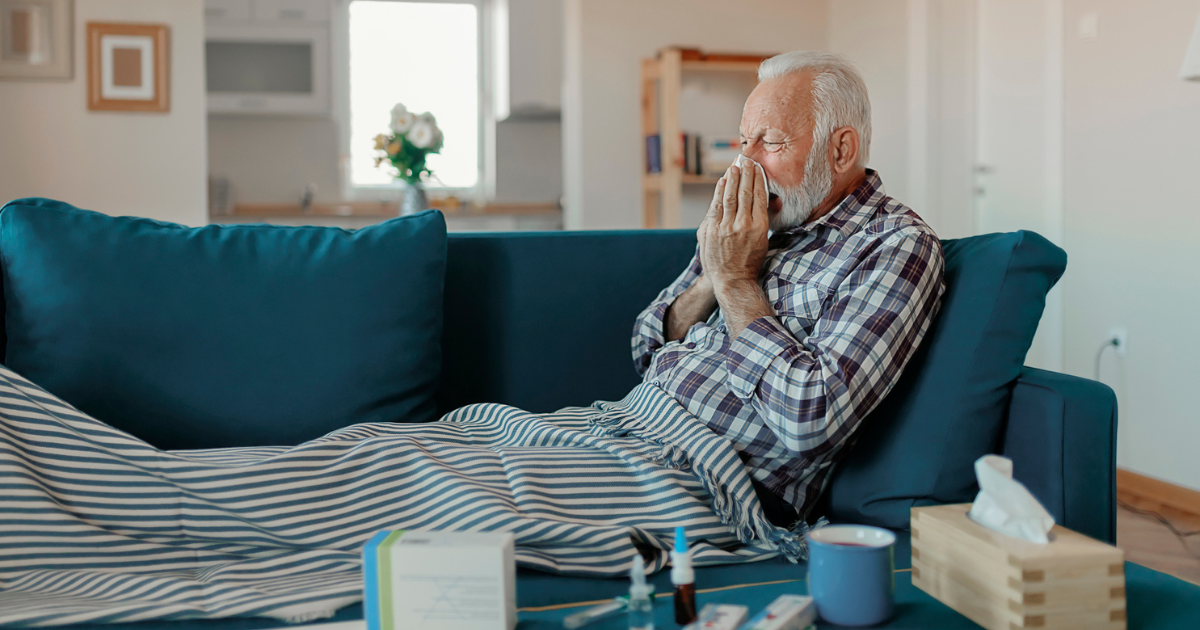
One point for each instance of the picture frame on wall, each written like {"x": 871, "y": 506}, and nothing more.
{"x": 35, "y": 39}
{"x": 128, "y": 67}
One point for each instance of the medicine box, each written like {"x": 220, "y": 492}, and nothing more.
{"x": 439, "y": 581}
{"x": 787, "y": 612}
{"x": 1001, "y": 582}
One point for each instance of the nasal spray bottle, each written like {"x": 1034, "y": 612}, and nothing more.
{"x": 684, "y": 579}
{"x": 641, "y": 606}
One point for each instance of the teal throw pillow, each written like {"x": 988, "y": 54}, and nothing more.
{"x": 224, "y": 335}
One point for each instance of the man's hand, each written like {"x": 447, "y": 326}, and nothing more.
{"x": 733, "y": 236}
{"x": 733, "y": 245}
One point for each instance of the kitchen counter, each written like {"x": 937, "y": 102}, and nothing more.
{"x": 358, "y": 214}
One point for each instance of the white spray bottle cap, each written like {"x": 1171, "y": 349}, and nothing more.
{"x": 681, "y": 560}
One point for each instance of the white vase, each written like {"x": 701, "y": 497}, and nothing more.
{"x": 414, "y": 199}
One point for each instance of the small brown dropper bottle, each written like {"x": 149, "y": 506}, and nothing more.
{"x": 684, "y": 579}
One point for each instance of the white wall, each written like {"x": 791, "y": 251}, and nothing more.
{"x": 271, "y": 159}
{"x": 605, "y": 41}
{"x": 917, "y": 58}
{"x": 1132, "y": 156}
{"x": 874, "y": 35}
{"x": 121, "y": 163}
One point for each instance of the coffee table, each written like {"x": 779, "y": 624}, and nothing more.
{"x": 1155, "y": 601}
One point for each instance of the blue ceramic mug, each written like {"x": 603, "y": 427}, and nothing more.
{"x": 851, "y": 574}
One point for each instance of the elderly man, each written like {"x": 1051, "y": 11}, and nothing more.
{"x": 808, "y": 293}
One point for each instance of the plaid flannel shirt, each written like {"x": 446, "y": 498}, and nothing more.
{"x": 853, "y": 293}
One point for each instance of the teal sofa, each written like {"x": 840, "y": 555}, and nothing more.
{"x": 543, "y": 321}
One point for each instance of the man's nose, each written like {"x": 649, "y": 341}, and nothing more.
{"x": 753, "y": 150}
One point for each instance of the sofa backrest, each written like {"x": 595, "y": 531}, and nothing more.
{"x": 543, "y": 320}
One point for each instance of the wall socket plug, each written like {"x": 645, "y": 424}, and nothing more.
{"x": 1121, "y": 337}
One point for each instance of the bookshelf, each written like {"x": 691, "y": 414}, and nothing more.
{"x": 662, "y": 82}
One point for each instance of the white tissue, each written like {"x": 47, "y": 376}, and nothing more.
{"x": 741, "y": 159}
{"x": 1005, "y": 505}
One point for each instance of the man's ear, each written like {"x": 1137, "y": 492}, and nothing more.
{"x": 843, "y": 146}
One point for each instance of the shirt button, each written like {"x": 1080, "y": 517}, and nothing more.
{"x": 722, "y": 328}
{"x": 778, "y": 305}
{"x": 690, "y": 345}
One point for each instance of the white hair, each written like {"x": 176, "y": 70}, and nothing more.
{"x": 839, "y": 95}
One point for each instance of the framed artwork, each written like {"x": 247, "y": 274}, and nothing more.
{"x": 128, "y": 67}
{"x": 35, "y": 39}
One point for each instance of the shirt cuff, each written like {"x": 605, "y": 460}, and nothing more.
{"x": 650, "y": 335}
{"x": 654, "y": 327}
{"x": 751, "y": 354}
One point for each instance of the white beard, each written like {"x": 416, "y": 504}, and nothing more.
{"x": 800, "y": 201}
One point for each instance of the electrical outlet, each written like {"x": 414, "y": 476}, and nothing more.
{"x": 1121, "y": 336}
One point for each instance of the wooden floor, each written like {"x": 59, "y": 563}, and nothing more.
{"x": 1149, "y": 543}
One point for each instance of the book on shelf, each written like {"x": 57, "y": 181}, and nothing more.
{"x": 694, "y": 152}
{"x": 719, "y": 154}
{"x": 689, "y": 153}
{"x": 691, "y": 145}
{"x": 653, "y": 154}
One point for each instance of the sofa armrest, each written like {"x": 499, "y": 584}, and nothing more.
{"x": 1061, "y": 433}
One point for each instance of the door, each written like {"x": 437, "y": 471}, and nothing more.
{"x": 1018, "y": 166}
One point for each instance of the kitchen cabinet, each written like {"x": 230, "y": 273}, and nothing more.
{"x": 285, "y": 11}
{"x": 291, "y": 10}
{"x": 226, "y": 9}
{"x": 268, "y": 57}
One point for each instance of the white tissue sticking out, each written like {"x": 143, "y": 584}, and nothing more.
{"x": 1003, "y": 504}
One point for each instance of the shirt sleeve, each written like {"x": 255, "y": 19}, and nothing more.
{"x": 813, "y": 389}
{"x": 649, "y": 330}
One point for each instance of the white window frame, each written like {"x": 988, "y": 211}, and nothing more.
{"x": 485, "y": 185}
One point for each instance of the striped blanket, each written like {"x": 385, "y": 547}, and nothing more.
{"x": 98, "y": 526}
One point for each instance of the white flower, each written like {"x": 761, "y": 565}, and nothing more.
{"x": 402, "y": 119}
{"x": 422, "y": 136}
{"x": 425, "y": 133}
{"x": 429, "y": 119}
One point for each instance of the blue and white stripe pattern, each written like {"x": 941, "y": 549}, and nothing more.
{"x": 98, "y": 526}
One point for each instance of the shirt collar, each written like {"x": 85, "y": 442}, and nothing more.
{"x": 852, "y": 212}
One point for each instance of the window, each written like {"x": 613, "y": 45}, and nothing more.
{"x": 425, "y": 55}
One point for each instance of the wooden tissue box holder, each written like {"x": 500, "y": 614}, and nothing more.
{"x": 1001, "y": 583}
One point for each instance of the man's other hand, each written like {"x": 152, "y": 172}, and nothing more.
{"x": 733, "y": 236}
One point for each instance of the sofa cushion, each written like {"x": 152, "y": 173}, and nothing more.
{"x": 224, "y": 335}
{"x": 947, "y": 410}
